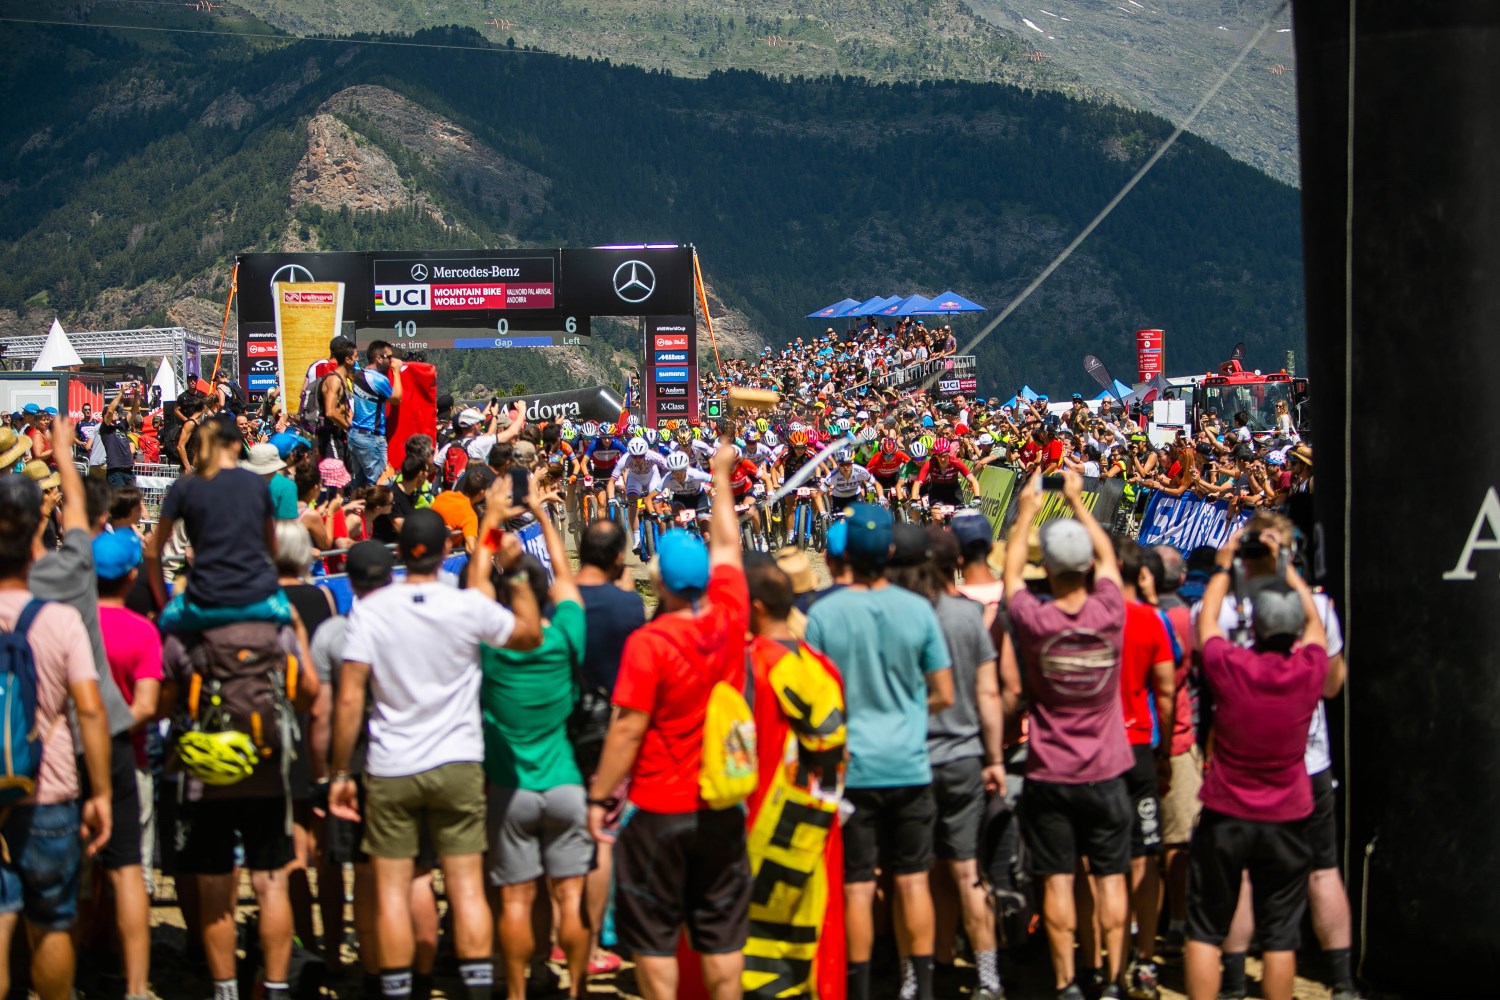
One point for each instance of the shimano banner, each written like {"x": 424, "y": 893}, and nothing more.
{"x": 597, "y": 402}
{"x": 1187, "y": 522}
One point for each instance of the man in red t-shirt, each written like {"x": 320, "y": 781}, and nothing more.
{"x": 678, "y": 863}
{"x": 1256, "y": 795}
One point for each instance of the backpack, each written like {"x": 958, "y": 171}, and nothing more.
{"x": 730, "y": 768}
{"x": 455, "y": 461}
{"x": 170, "y": 435}
{"x": 244, "y": 682}
{"x": 310, "y": 415}
{"x": 234, "y": 402}
{"x": 22, "y": 741}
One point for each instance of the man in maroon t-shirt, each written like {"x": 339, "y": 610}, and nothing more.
{"x": 679, "y": 863}
{"x": 1256, "y": 796}
{"x": 1074, "y": 801}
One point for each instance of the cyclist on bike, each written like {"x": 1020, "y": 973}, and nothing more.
{"x": 640, "y": 472}
{"x": 940, "y": 475}
{"x": 886, "y": 466}
{"x": 849, "y": 482}
{"x": 598, "y": 463}
{"x": 797, "y": 455}
{"x": 747, "y": 478}
{"x": 684, "y": 486}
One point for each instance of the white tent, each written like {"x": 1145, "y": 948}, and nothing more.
{"x": 166, "y": 379}
{"x": 57, "y": 352}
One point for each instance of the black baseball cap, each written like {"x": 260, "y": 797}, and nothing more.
{"x": 422, "y": 534}
{"x": 370, "y": 565}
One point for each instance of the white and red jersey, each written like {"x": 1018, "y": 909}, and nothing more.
{"x": 745, "y": 475}
{"x": 934, "y": 472}
{"x": 887, "y": 465}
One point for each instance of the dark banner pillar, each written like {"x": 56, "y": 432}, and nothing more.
{"x": 1421, "y": 587}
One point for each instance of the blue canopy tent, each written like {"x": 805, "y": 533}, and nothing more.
{"x": 831, "y": 311}
{"x": 949, "y": 302}
{"x": 892, "y": 308}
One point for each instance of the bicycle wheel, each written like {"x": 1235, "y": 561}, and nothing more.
{"x": 648, "y": 538}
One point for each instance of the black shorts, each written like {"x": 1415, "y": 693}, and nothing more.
{"x": 682, "y": 869}
{"x": 1145, "y": 809}
{"x": 1278, "y": 859}
{"x": 1063, "y": 822}
{"x": 958, "y": 788}
{"x": 1322, "y": 826}
{"x": 841, "y": 503}
{"x": 890, "y": 482}
{"x": 124, "y": 846}
{"x": 206, "y": 833}
{"x": 891, "y": 829}
{"x": 947, "y": 493}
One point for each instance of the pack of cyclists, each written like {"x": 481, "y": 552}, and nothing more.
{"x": 825, "y": 463}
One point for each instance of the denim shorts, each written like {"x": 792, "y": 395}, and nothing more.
{"x": 40, "y": 881}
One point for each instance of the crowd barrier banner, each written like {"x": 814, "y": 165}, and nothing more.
{"x": 1187, "y": 522}
{"x": 957, "y": 366}
{"x": 1101, "y": 496}
{"x": 995, "y": 489}
{"x": 595, "y": 402}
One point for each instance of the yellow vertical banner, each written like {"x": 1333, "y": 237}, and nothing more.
{"x": 308, "y": 315}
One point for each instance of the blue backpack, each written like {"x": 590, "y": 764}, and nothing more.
{"x": 20, "y": 742}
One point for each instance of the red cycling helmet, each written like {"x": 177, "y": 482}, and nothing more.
{"x": 941, "y": 447}
{"x": 888, "y": 446}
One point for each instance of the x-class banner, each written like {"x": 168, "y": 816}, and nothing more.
{"x": 672, "y": 374}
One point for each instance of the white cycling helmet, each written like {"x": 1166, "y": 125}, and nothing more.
{"x": 650, "y": 435}
{"x": 590, "y": 429}
{"x": 637, "y": 447}
{"x": 918, "y": 450}
{"x": 771, "y": 440}
{"x": 843, "y": 425}
{"x": 844, "y": 455}
{"x": 677, "y": 461}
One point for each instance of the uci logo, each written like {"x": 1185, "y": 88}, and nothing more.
{"x": 396, "y": 298}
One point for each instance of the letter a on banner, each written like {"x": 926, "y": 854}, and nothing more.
{"x": 1489, "y": 514}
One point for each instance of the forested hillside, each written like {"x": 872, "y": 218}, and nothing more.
{"x": 134, "y": 170}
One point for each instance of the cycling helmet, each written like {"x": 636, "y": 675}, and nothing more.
{"x": 217, "y": 758}
{"x": 927, "y": 442}
{"x": 762, "y": 423}
{"x": 752, "y": 435}
{"x": 918, "y": 450}
{"x": 797, "y": 426}
{"x": 671, "y": 425}
{"x": 942, "y": 446}
{"x": 590, "y": 429}
{"x": 798, "y": 438}
{"x": 771, "y": 439}
{"x": 843, "y": 425}
{"x": 637, "y": 447}
{"x": 634, "y": 420}
{"x": 650, "y": 435}
{"x": 888, "y": 446}
{"x": 845, "y": 455}
{"x": 677, "y": 461}
{"x": 569, "y": 434}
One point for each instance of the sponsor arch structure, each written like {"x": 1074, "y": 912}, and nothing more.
{"x": 291, "y": 304}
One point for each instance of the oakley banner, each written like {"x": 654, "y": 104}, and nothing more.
{"x": 1187, "y": 522}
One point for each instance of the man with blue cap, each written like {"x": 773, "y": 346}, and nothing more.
{"x": 897, "y": 670}
{"x": 679, "y": 863}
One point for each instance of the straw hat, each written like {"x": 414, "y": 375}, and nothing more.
{"x": 795, "y": 564}
{"x": 1302, "y": 453}
{"x": 43, "y": 474}
{"x": 12, "y": 447}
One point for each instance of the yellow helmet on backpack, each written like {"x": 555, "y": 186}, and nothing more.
{"x": 224, "y": 758}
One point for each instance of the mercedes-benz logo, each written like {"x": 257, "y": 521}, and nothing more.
{"x": 293, "y": 272}
{"x": 634, "y": 281}
{"x": 419, "y": 272}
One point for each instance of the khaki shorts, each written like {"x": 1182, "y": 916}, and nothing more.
{"x": 1180, "y": 806}
{"x": 446, "y": 801}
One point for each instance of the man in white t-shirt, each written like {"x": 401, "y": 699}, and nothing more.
{"x": 416, "y": 646}
{"x": 1327, "y": 898}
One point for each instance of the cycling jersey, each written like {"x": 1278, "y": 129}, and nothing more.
{"x": 933, "y": 472}
{"x": 885, "y": 466}
{"x": 640, "y": 474}
{"x": 793, "y": 461}
{"x": 601, "y": 459}
{"x": 703, "y": 452}
{"x": 843, "y": 484}
{"x": 745, "y": 475}
{"x": 688, "y": 486}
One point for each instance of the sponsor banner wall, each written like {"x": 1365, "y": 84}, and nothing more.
{"x": 954, "y": 368}
{"x": 308, "y": 315}
{"x": 995, "y": 489}
{"x": 1101, "y": 496}
{"x": 1187, "y": 522}
{"x": 672, "y": 374}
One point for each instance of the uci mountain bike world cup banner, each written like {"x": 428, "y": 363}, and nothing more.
{"x": 1187, "y": 522}
{"x": 308, "y": 315}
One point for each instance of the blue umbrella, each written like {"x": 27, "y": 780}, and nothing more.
{"x": 892, "y": 308}
{"x": 911, "y": 306}
{"x": 868, "y": 307}
{"x": 837, "y": 309}
{"x": 949, "y": 302}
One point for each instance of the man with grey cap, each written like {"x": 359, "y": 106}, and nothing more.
{"x": 1074, "y": 803}
{"x": 1256, "y": 795}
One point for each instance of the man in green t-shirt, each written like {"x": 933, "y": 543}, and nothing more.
{"x": 538, "y": 817}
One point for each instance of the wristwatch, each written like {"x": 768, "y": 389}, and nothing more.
{"x": 1221, "y": 569}
{"x": 605, "y": 804}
